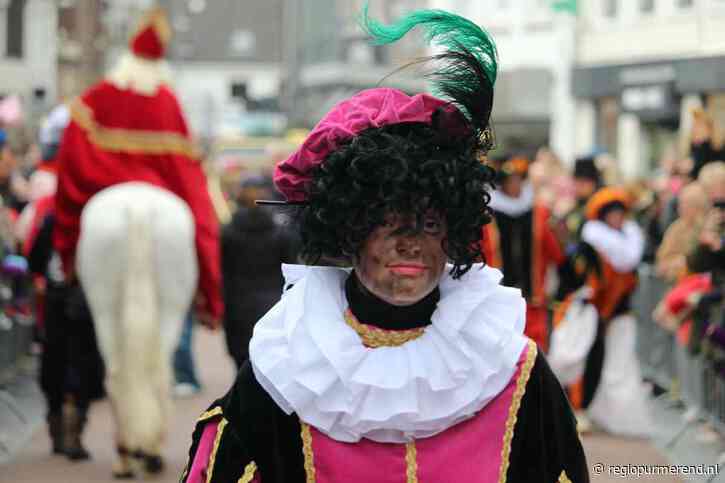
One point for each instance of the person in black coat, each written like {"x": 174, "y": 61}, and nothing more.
{"x": 254, "y": 244}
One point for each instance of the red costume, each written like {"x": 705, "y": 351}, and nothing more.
{"x": 119, "y": 134}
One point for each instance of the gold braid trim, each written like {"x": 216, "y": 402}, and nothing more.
{"x": 521, "y": 382}
{"x": 212, "y": 457}
{"x": 210, "y": 414}
{"x": 307, "y": 451}
{"x": 249, "y": 472}
{"x": 411, "y": 462}
{"x": 375, "y": 337}
{"x": 130, "y": 140}
{"x": 563, "y": 478}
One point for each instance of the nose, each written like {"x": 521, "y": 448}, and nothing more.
{"x": 408, "y": 244}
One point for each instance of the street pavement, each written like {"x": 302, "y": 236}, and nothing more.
{"x": 34, "y": 464}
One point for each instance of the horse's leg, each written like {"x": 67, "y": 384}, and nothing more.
{"x": 176, "y": 279}
{"x": 101, "y": 275}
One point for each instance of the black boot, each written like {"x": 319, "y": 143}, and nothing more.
{"x": 55, "y": 428}
{"x": 75, "y": 422}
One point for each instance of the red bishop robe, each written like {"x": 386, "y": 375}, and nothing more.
{"x": 118, "y": 135}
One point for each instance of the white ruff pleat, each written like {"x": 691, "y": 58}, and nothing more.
{"x": 313, "y": 364}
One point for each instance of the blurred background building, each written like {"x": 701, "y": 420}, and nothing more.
{"x": 29, "y": 53}
{"x": 640, "y": 67}
{"x": 535, "y": 39}
{"x": 590, "y": 75}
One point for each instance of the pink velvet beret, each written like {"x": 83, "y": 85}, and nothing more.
{"x": 370, "y": 108}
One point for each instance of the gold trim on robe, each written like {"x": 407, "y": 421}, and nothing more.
{"x": 521, "y": 383}
{"x": 131, "y": 141}
{"x": 212, "y": 457}
{"x": 411, "y": 463}
{"x": 308, "y": 453}
{"x": 249, "y": 472}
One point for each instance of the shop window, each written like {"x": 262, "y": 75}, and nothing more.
{"x": 610, "y": 8}
{"x": 14, "y": 29}
{"x": 647, "y": 6}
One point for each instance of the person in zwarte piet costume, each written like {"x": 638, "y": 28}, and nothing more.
{"x": 521, "y": 242}
{"x": 130, "y": 127}
{"x": 610, "y": 393}
{"x": 412, "y": 365}
{"x": 587, "y": 180}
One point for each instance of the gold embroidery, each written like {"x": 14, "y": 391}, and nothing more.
{"x": 521, "y": 382}
{"x": 212, "y": 457}
{"x": 307, "y": 451}
{"x": 411, "y": 462}
{"x": 209, "y": 414}
{"x": 563, "y": 478}
{"x": 249, "y": 471}
{"x": 374, "y": 337}
{"x": 128, "y": 140}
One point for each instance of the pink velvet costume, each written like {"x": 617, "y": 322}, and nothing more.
{"x": 476, "y": 450}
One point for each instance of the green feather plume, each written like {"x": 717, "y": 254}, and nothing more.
{"x": 442, "y": 28}
{"x": 468, "y": 67}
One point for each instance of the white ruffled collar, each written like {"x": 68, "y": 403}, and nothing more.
{"x": 623, "y": 248}
{"x": 510, "y": 206}
{"x": 315, "y": 365}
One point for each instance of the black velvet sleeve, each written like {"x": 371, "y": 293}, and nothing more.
{"x": 42, "y": 249}
{"x": 546, "y": 446}
{"x": 256, "y": 431}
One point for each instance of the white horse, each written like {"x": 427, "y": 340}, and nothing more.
{"x": 136, "y": 261}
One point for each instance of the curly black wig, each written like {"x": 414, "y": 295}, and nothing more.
{"x": 403, "y": 168}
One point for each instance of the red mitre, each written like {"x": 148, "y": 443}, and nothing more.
{"x": 152, "y": 35}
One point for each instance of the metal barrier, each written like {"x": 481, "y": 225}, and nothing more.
{"x": 692, "y": 379}
{"x": 16, "y": 339}
{"x": 655, "y": 346}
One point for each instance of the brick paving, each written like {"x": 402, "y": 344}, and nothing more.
{"x": 34, "y": 464}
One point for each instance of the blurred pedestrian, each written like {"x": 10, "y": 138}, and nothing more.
{"x": 606, "y": 261}
{"x": 706, "y": 141}
{"x": 13, "y": 186}
{"x": 587, "y": 180}
{"x": 553, "y": 186}
{"x": 520, "y": 242}
{"x": 43, "y": 180}
{"x": 709, "y": 252}
{"x": 71, "y": 371}
{"x": 253, "y": 248}
{"x": 680, "y": 238}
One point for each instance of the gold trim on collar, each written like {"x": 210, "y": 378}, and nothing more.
{"x": 210, "y": 414}
{"x": 563, "y": 478}
{"x": 307, "y": 451}
{"x": 130, "y": 140}
{"x": 249, "y": 472}
{"x": 212, "y": 457}
{"x": 411, "y": 463}
{"x": 521, "y": 382}
{"x": 375, "y": 337}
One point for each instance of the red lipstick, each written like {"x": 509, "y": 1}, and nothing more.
{"x": 407, "y": 269}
